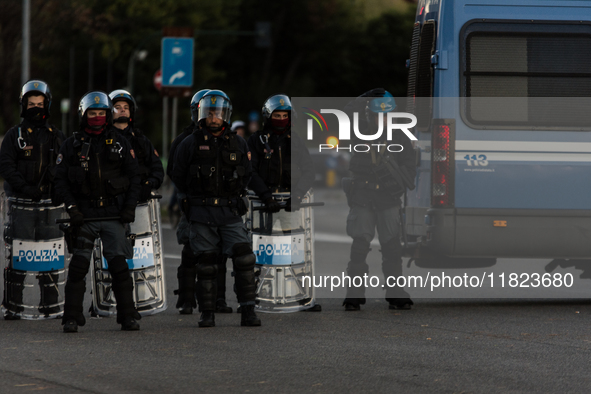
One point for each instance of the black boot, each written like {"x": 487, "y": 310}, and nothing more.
{"x": 352, "y": 304}
{"x": 400, "y": 303}
{"x": 70, "y": 326}
{"x": 207, "y": 319}
{"x": 74, "y": 299}
{"x": 249, "y": 317}
{"x": 122, "y": 286}
{"x": 222, "y": 307}
{"x": 129, "y": 324}
{"x": 74, "y": 294}
{"x": 207, "y": 281}
{"x": 186, "y": 275}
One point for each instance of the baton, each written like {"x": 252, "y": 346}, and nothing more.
{"x": 59, "y": 221}
{"x": 305, "y": 205}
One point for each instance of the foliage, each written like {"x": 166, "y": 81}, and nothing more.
{"x": 318, "y": 48}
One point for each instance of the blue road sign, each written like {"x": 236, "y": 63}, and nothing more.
{"x": 177, "y": 62}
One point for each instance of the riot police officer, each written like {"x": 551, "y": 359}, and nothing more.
{"x": 151, "y": 171}
{"x": 97, "y": 178}
{"x": 27, "y": 164}
{"x": 280, "y": 160}
{"x": 211, "y": 170}
{"x": 186, "y": 302}
{"x": 374, "y": 193}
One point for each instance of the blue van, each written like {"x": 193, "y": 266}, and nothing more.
{"x": 501, "y": 89}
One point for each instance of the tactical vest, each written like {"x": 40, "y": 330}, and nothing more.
{"x": 218, "y": 166}
{"x": 138, "y": 144}
{"x": 36, "y": 156}
{"x": 96, "y": 170}
{"x": 275, "y": 164}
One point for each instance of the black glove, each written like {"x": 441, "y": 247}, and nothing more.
{"x": 293, "y": 204}
{"x": 186, "y": 207}
{"x": 377, "y": 92}
{"x": 127, "y": 214}
{"x": 146, "y": 191}
{"x": 272, "y": 205}
{"x": 33, "y": 193}
{"x": 76, "y": 217}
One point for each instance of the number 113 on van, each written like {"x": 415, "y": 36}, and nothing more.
{"x": 476, "y": 161}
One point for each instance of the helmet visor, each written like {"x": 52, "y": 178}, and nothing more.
{"x": 215, "y": 107}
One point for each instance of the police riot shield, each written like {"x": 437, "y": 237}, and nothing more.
{"x": 146, "y": 266}
{"x": 284, "y": 249}
{"x": 34, "y": 258}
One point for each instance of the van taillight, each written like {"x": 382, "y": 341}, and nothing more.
{"x": 442, "y": 164}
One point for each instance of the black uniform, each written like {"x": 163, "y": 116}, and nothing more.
{"x": 281, "y": 163}
{"x": 183, "y": 236}
{"x": 27, "y": 164}
{"x": 150, "y": 167}
{"x": 374, "y": 197}
{"x": 98, "y": 174}
{"x": 212, "y": 174}
{"x": 27, "y": 159}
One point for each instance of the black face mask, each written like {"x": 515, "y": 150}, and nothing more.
{"x": 35, "y": 115}
{"x": 122, "y": 119}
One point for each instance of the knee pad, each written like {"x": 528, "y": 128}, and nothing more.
{"x": 118, "y": 265}
{"x": 207, "y": 265}
{"x": 241, "y": 249}
{"x": 188, "y": 258}
{"x": 119, "y": 271}
{"x": 78, "y": 268}
{"x": 359, "y": 249}
{"x": 244, "y": 262}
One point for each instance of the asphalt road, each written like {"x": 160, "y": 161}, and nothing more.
{"x": 442, "y": 345}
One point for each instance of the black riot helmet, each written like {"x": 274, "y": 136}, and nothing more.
{"x": 276, "y": 102}
{"x": 195, "y": 104}
{"x": 35, "y": 87}
{"x": 95, "y": 100}
{"x": 121, "y": 94}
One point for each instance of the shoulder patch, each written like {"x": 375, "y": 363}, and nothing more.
{"x": 59, "y": 159}
{"x": 156, "y": 153}
{"x": 132, "y": 153}
{"x": 204, "y": 147}
{"x": 248, "y": 154}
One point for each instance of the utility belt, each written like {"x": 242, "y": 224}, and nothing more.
{"x": 100, "y": 203}
{"x": 215, "y": 201}
{"x": 348, "y": 184}
{"x": 280, "y": 190}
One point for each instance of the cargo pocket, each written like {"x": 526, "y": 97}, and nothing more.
{"x": 352, "y": 227}
{"x": 117, "y": 186}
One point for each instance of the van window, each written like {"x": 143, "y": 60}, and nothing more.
{"x": 519, "y": 60}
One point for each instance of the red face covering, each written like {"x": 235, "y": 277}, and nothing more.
{"x": 96, "y": 124}
{"x": 279, "y": 125}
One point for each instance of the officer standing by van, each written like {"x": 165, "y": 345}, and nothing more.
{"x": 211, "y": 170}
{"x": 151, "y": 171}
{"x": 281, "y": 162}
{"x": 97, "y": 178}
{"x": 380, "y": 178}
{"x": 27, "y": 164}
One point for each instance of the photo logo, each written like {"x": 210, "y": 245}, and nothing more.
{"x": 390, "y": 124}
